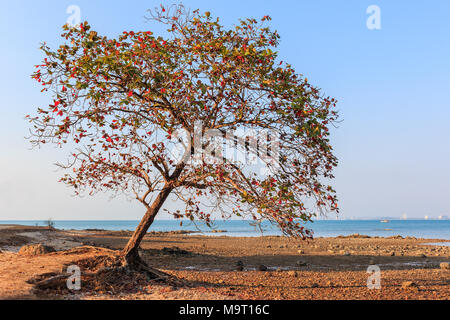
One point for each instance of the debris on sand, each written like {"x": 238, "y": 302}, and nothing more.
{"x": 35, "y": 249}
{"x": 354, "y": 235}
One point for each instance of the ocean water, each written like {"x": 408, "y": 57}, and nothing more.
{"x": 430, "y": 229}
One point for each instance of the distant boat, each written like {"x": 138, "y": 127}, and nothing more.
{"x": 384, "y": 221}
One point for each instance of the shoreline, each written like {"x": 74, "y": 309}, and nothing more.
{"x": 224, "y": 232}
{"x": 323, "y": 268}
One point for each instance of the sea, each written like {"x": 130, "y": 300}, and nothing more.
{"x": 429, "y": 229}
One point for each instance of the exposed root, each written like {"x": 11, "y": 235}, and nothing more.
{"x": 110, "y": 273}
{"x": 136, "y": 264}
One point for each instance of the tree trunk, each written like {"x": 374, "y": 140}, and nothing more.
{"x": 130, "y": 252}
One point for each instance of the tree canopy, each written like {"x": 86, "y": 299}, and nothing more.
{"x": 118, "y": 102}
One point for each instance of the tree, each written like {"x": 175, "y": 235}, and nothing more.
{"x": 120, "y": 104}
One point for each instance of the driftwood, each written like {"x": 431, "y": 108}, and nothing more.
{"x": 52, "y": 282}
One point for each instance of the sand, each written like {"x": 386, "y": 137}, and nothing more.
{"x": 324, "y": 268}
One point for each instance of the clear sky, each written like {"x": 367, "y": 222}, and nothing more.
{"x": 393, "y": 87}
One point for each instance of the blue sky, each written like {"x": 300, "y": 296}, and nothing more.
{"x": 392, "y": 84}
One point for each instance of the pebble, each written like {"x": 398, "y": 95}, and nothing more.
{"x": 444, "y": 265}
{"x": 301, "y": 263}
{"x": 408, "y": 284}
{"x": 293, "y": 273}
{"x": 262, "y": 267}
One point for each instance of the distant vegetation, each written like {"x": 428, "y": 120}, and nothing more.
{"x": 50, "y": 223}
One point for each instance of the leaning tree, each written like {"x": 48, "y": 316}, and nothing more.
{"x": 121, "y": 104}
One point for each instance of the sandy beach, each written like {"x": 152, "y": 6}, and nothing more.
{"x": 221, "y": 267}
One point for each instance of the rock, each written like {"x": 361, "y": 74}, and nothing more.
{"x": 330, "y": 284}
{"x": 239, "y": 265}
{"x": 314, "y": 285}
{"x": 268, "y": 246}
{"x": 301, "y": 251}
{"x": 392, "y": 254}
{"x": 239, "y": 268}
{"x": 408, "y": 284}
{"x": 174, "y": 251}
{"x": 395, "y": 237}
{"x": 281, "y": 246}
{"x": 301, "y": 263}
{"x": 347, "y": 254}
{"x": 422, "y": 256}
{"x": 293, "y": 273}
{"x": 35, "y": 249}
{"x": 220, "y": 281}
{"x": 262, "y": 267}
{"x": 444, "y": 265}
{"x": 355, "y": 235}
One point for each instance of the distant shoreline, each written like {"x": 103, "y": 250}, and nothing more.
{"x": 219, "y": 233}
{"x": 426, "y": 229}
